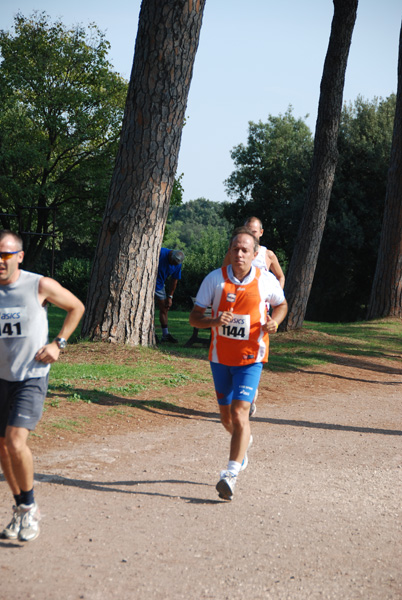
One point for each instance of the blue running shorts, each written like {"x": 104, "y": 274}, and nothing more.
{"x": 235, "y": 383}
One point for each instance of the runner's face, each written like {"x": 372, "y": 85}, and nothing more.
{"x": 242, "y": 253}
{"x": 255, "y": 229}
{"x": 9, "y": 268}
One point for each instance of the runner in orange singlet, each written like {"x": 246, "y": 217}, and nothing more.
{"x": 240, "y": 324}
{"x": 266, "y": 260}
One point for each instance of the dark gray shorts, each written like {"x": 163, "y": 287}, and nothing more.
{"x": 21, "y": 402}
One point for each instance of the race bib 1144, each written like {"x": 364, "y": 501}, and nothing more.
{"x": 237, "y": 329}
{"x": 13, "y": 322}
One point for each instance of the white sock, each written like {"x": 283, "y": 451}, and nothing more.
{"x": 234, "y": 467}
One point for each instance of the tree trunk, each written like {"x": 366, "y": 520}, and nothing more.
{"x": 386, "y": 292}
{"x": 120, "y": 305}
{"x": 304, "y": 259}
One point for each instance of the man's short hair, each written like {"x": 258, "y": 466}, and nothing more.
{"x": 17, "y": 238}
{"x": 176, "y": 257}
{"x": 250, "y": 219}
{"x": 246, "y": 230}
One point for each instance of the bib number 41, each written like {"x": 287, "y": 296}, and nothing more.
{"x": 13, "y": 322}
{"x": 10, "y": 329}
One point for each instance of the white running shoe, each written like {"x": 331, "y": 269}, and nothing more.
{"x": 11, "y": 531}
{"x": 30, "y": 517}
{"x": 226, "y": 485}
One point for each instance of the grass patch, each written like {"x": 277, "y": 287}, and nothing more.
{"x": 320, "y": 343}
{"x": 65, "y": 424}
{"x": 80, "y": 398}
{"x": 315, "y": 343}
{"x": 204, "y": 394}
{"x": 110, "y": 375}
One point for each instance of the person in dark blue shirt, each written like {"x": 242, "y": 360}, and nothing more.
{"x": 169, "y": 267}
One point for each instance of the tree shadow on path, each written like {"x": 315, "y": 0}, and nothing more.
{"x": 330, "y": 426}
{"x": 118, "y": 486}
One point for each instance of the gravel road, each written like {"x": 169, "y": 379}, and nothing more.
{"x": 316, "y": 515}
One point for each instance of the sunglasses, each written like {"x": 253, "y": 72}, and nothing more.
{"x": 8, "y": 255}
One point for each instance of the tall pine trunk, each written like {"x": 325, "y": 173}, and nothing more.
{"x": 120, "y": 304}
{"x": 386, "y": 292}
{"x": 305, "y": 255}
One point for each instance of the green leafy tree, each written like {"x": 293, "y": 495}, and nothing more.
{"x": 199, "y": 228}
{"x": 270, "y": 179}
{"x": 349, "y": 247}
{"x": 177, "y": 193}
{"x": 187, "y": 222}
{"x": 60, "y": 119}
{"x": 348, "y": 251}
{"x": 74, "y": 274}
{"x": 205, "y": 255}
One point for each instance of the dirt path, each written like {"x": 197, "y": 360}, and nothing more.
{"x": 317, "y": 514}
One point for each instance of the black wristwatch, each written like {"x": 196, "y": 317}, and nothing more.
{"x": 61, "y": 342}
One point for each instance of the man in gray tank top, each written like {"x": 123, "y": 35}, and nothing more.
{"x": 25, "y": 359}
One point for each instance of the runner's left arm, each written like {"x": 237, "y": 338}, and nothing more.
{"x": 275, "y": 268}
{"x": 51, "y": 291}
{"x": 279, "y": 312}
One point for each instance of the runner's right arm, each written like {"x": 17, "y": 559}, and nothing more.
{"x": 201, "y": 321}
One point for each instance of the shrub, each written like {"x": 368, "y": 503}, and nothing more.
{"x": 203, "y": 257}
{"x": 74, "y": 274}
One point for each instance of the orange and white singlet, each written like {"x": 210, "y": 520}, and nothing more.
{"x": 242, "y": 341}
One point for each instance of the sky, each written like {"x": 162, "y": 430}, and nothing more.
{"x": 254, "y": 59}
